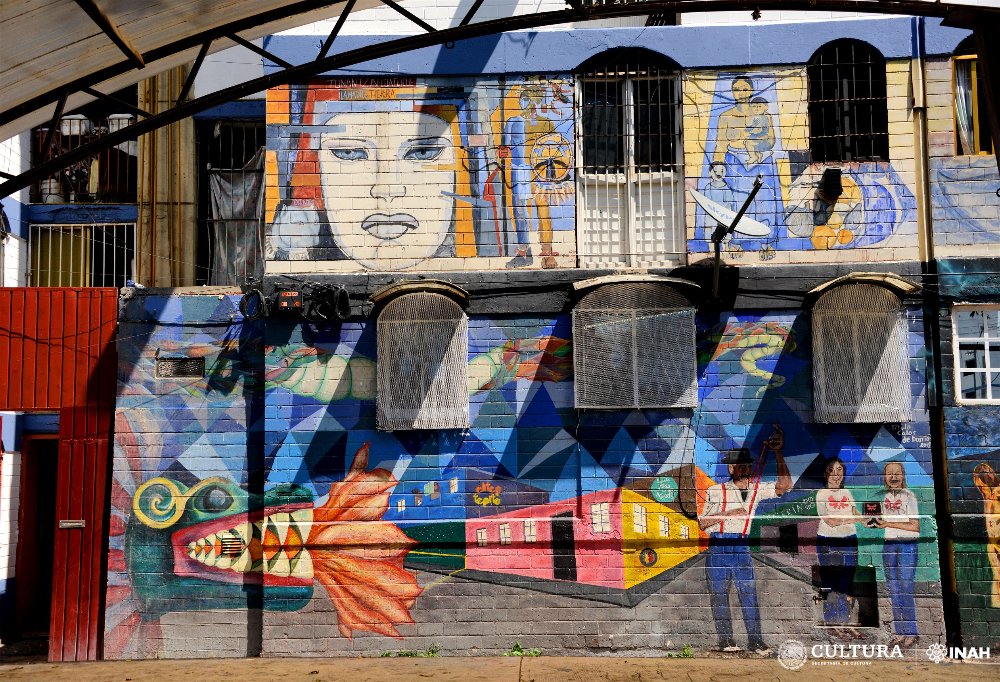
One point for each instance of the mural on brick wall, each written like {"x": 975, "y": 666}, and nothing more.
{"x": 740, "y": 125}
{"x": 406, "y": 173}
{"x": 618, "y": 522}
{"x": 966, "y": 209}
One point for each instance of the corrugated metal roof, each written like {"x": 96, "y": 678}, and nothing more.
{"x": 47, "y": 45}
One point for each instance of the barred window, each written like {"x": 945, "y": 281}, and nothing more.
{"x": 848, "y": 115}
{"x": 600, "y": 517}
{"x": 530, "y": 530}
{"x": 860, "y": 361}
{"x": 639, "y": 524}
{"x": 631, "y": 177}
{"x": 664, "y": 526}
{"x": 423, "y": 350}
{"x": 97, "y": 255}
{"x": 634, "y": 347}
{"x": 977, "y": 353}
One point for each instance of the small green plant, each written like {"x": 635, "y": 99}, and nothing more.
{"x": 518, "y": 650}
{"x": 686, "y": 652}
{"x": 429, "y": 652}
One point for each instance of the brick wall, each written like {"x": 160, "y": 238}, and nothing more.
{"x": 364, "y": 535}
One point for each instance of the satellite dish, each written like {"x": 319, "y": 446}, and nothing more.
{"x": 747, "y": 226}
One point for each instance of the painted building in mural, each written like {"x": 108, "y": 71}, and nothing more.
{"x": 543, "y": 421}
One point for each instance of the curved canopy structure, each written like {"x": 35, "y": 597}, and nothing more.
{"x": 56, "y": 55}
{"x": 53, "y": 47}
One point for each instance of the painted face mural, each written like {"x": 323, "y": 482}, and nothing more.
{"x": 388, "y": 185}
{"x": 395, "y": 174}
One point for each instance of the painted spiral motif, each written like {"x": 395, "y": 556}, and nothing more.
{"x": 159, "y": 503}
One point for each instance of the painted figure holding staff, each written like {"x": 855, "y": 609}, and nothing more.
{"x": 727, "y": 516}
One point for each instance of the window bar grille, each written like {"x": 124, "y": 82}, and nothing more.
{"x": 98, "y": 255}
{"x": 629, "y": 190}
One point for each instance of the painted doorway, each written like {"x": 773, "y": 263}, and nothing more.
{"x": 563, "y": 547}
{"x": 36, "y": 537}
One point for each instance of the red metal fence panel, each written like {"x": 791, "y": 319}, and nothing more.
{"x": 57, "y": 348}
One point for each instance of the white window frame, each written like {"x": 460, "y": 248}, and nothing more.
{"x": 824, "y": 409}
{"x": 993, "y": 398}
{"x": 453, "y": 485}
{"x": 640, "y": 523}
{"x": 630, "y": 180}
{"x": 685, "y": 531}
{"x": 600, "y": 517}
{"x": 400, "y": 505}
{"x": 586, "y": 390}
{"x": 390, "y": 414}
{"x": 504, "y": 533}
{"x": 481, "y": 538}
{"x": 530, "y": 530}
{"x": 664, "y": 526}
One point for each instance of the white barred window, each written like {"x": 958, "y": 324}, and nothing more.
{"x": 530, "y": 530}
{"x": 631, "y": 179}
{"x": 664, "y": 526}
{"x": 634, "y": 347}
{"x": 423, "y": 350}
{"x": 861, "y": 370}
{"x": 481, "y": 537}
{"x": 600, "y": 517}
{"x": 639, "y": 518}
{"x": 504, "y": 533}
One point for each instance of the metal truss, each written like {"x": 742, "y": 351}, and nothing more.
{"x": 575, "y": 12}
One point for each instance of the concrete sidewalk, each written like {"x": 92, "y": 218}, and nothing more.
{"x": 468, "y": 669}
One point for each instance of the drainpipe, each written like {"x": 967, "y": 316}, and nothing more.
{"x": 932, "y": 337}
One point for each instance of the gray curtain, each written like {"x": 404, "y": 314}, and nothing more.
{"x": 237, "y": 222}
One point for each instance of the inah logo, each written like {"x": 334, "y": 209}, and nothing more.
{"x": 937, "y": 652}
{"x": 792, "y": 654}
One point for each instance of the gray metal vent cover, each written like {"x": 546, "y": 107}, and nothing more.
{"x": 423, "y": 349}
{"x": 634, "y": 347}
{"x": 861, "y": 370}
{"x": 180, "y": 368}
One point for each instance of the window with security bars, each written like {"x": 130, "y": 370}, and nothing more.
{"x": 98, "y": 255}
{"x": 634, "y": 347}
{"x": 861, "y": 370}
{"x": 630, "y": 181}
{"x": 972, "y": 106}
{"x": 231, "y": 201}
{"x": 423, "y": 350}
{"x": 848, "y": 114}
{"x": 977, "y": 353}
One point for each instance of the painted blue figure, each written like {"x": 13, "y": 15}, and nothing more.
{"x": 727, "y": 516}
{"x": 836, "y": 543}
{"x": 515, "y": 146}
{"x": 718, "y": 190}
{"x": 901, "y": 521}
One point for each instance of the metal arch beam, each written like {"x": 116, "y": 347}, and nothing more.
{"x": 462, "y": 32}
{"x": 111, "y": 31}
{"x": 193, "y": 41}
{"x": 588, "y": 9}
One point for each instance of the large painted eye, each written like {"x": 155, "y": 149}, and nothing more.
{"x": 423, "y": 153}
{"x": 349, "y": 153}
{"x": 216, "y": 499}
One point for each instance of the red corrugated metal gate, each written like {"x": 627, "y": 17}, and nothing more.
{"x": 57, "y": 350}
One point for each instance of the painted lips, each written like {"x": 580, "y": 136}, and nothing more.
{"x": 388, "y": 227}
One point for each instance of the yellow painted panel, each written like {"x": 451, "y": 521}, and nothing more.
{"x": 649, "y": 554}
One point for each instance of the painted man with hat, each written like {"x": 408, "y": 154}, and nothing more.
{"x": 727, "y": 516}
